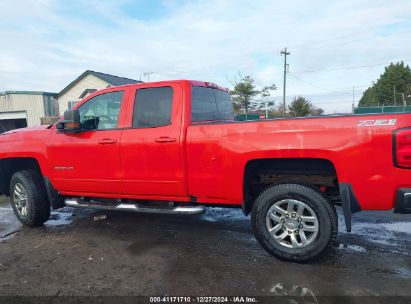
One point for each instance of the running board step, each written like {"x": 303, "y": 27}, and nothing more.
{"x": 188, "y": 210}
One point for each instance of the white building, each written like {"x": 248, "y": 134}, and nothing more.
{"x": 86, "y": 83}
{"x": 19, "y": 109}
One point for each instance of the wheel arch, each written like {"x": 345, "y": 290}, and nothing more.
{"x": 268, "y": 171}
{"x": 9, "y": 166}
{"x": 317, "y": 172}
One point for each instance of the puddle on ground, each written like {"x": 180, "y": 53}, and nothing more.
{"x": 404, "y": 272}
{"x": 59, "y": 219}
{"x": 295, "y": 294}
{"x": 352, "y": 248}
{"x": 9, "y": 224}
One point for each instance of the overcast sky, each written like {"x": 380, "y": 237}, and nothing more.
{"x": 334, "y": 45}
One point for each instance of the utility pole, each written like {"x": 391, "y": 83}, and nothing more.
{"x": 395, "y": 99}
{"x": 285, "y": 53}
{"x": 353, "y": 94}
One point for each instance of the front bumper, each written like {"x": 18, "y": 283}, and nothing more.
{"x": 403, "y": 201}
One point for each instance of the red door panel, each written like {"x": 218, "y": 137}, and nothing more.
{"x": 152, "y": 156}
{"x": 88, "y": 162}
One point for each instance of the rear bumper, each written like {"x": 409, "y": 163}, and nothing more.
{"x": 403, "y": 201}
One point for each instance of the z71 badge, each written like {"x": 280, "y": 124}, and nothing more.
{"x": 377, "y": 123}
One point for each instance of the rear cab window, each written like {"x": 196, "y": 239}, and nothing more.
{"x": 152, "y": 107}
{"x": 210, "y": 104}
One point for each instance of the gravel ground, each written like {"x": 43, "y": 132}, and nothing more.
{"x": 210, "y": 254}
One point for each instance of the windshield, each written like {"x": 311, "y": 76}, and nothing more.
{"x": 211, "y": 104}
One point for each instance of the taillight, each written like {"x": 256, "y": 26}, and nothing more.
{"x": 402, "y": 148}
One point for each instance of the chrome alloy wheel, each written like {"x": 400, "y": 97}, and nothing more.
{"x": 292, "y": 223}
{"x": 20, "y": 199}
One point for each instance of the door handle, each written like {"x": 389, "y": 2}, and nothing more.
{"x": 107, "y": 141}
{"x": 164, "y": 139}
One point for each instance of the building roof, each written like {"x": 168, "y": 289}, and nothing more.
{"x": 111, "y": 79}
{"x": 28, "y": 93}
{"x": 86, "y": 92}
{"x": 114, "y": 80}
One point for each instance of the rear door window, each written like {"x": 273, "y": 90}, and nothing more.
{"x": 209, "y": 104}
{"x": 152, "y": 107}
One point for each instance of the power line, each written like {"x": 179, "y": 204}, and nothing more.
{"x": 335, "y": 40}
{"x": 339, "y": 101}
{"x": 335, "y": 90}
{"x": 329, "y": 44}
{"x": 353, "y": 86}
{"x": 343, "y": 68}
{"x": 311, "y": 84}
{"x": 285, "y": 53}
{"x": 324, "y": 96}
{"x": 316, "y": 42}
{"x": 347, "y": 68}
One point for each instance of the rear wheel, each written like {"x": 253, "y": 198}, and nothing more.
{"x": 294, "y": 222}
{"x": 28, "y": 198}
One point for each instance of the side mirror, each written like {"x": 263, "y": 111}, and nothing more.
{"x": 71, "y": 122}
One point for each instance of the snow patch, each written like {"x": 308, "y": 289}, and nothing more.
{"x": 401, "y": 227}
{"x": 224, "y": 213}
{"x": 209, "y": 218}
{"x": 382, "y": 233}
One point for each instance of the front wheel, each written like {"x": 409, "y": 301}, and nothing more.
{"x": 294, "y": 222}
{"x": 28, "y": 198}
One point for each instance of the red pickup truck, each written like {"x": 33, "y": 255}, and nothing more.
{"x": 173, "y": 147}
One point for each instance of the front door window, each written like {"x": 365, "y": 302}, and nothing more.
{"x": 101, "y": 112}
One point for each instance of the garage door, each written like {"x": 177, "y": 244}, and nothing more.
{"x": 12, "y": 120}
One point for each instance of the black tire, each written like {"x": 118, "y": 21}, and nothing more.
{"x": 38, "y": 206}
{"x": 322, "y": 208}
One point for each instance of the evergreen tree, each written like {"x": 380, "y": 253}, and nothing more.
{"x": 300, "y": 106}
{"x": 396, "y": 76}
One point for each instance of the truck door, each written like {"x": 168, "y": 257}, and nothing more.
{"x": 151, "y": 149}
{"x": 89, "y": 161}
